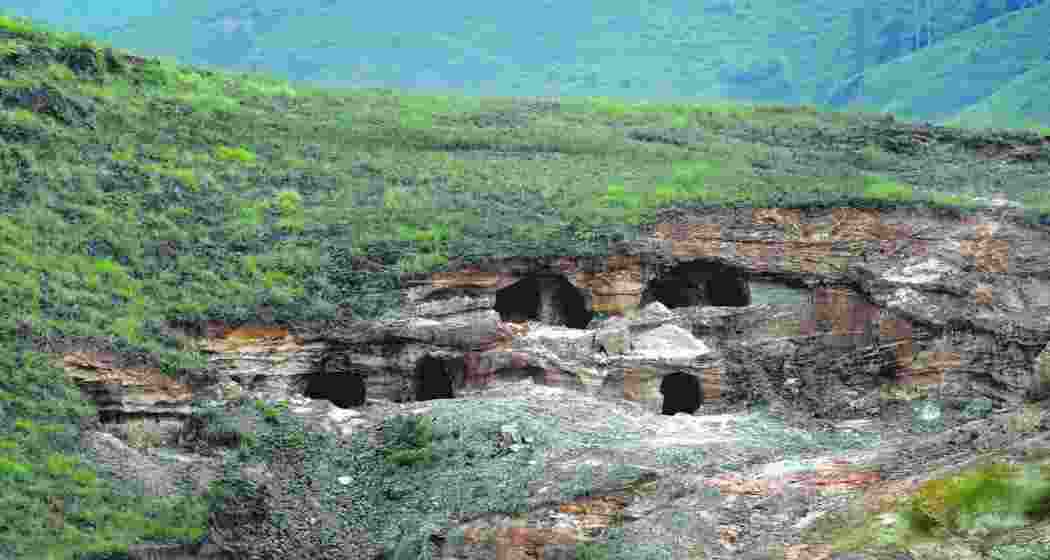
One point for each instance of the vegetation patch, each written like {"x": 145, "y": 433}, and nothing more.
{"x": 137, "y": 193}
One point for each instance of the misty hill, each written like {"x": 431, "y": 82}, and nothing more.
{"x": 915, "y": 56}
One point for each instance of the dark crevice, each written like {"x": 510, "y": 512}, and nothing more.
{"x": 699, "y": 283}
{"x": 118, "y": 416}
{"x": 344, "y": 390}
{"x": 681, "y": 393}
{"x": 434, "y": 380}
{"x": 550, "y": 299}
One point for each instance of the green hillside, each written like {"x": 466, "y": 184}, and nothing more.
{"x": 993, "y": 67}
{"x": 136, "y": 194}
{"x": 1024, "y": 102}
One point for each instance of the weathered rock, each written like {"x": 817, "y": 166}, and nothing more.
{"x": 263, "y": 360}
{"x": 899, "y": 305}
{"x": 904, "y": 297}
{"x": 122, "y": 391}
{"x": 451, "y": 306}
{"x": 472, "y": 331}
{"x": 1042, "y": 370}
{"x": 613, "y": 339}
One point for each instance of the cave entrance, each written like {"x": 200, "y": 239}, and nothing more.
{"x": 699, "y": 283}
{"x": 433, "y": 379}
{"x": 344, "y": 390}
{"x": 551, "y": 299}
{"x": 681, "y": 393}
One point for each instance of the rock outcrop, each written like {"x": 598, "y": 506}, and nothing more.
{"x": 923, "y": 298}
{"x": 887, "y": 305}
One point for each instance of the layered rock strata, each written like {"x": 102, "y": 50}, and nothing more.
{"x": 895, "y": 302}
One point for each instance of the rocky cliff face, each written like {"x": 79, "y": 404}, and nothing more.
{"x": 836, "y": 314}
{"x": 890, "y": 301}
{"x": 885, "y": 303}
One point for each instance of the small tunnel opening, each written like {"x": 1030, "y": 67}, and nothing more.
{"x": 699, "y": 283}
{"x": 681, "y": 393}
{"x": 344, "y": 390}
{"x": 550, "y": 299}
{"x": 433, "y": 379}
{"x": 520, "y": 301}
{"x": 108, "y": 416}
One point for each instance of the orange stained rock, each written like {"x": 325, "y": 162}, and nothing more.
{"x": 257, "y": 332}
{"x": 734, "y": 485}
{"x": 728, "y": 535}
{"x": 474, "y": 279}
{"x": 777, "y": 216}
{"x": 983, "y": 295}
{"x": 594, "y": 512}
{"x": 253, "y": 339}
{"x": 807, "y": 552}
{"x": 691, "y": 239}
{"x": 989, "y": 254}
{"x": 96, "y": 366}
{"x": 884, "y": 498}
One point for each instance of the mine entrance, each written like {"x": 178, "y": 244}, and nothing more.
{"x": 699, "y": 283}
{"x": 433, "y": 379}
{"x": 681, "y": 393}
{"x": 551, "y": 299}
{"x": 343, "y": 390}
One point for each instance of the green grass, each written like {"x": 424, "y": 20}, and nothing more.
{"x": 991, "y": 498}
{"x": 135, "y": 194}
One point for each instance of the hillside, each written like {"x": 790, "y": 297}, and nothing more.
{"x": 989, "y": 75}
{"x": 137, "y": 194}
{"x": 756, "y": 50}
{"x": 1028, "y": 91}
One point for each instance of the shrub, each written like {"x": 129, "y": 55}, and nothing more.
{"x": 407, "y": 440}
{"x": 989, "y": 497}
{"x": 226, "y": 153}
{"x": 888, "y": 191}
{"x": 271, "y": 414}
{"x": 11, "y": 470}
{"x": 19, "y": 26}
{"x": 1033, "y": 551}
{"x": 421, "y": 262}
{"x": 874, "y": 155}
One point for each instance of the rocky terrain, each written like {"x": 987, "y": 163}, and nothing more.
{"x": 737, "y": 384}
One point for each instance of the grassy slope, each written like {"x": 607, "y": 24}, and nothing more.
{"x": 982, "y": 63}
{"x": 1029, "y": 93}
{"x": 136, "y": 194}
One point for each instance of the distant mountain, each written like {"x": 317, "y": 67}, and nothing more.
{"x": 942, "y": 60}
{"x": 994, "y": 74}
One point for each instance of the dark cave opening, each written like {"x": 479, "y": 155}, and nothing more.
{"x": 344, "y": 390}
{"x": 699, "y": 283}
{"x": 433, "y": 379}
{"x": 551, "y": 299}
{"x": 681, "y": 393}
